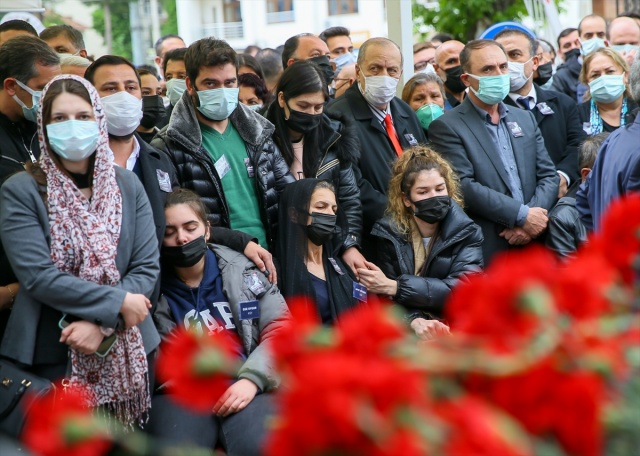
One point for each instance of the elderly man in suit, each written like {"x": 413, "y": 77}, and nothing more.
{"x": 384, "y": 123}
{"x": 508, "y": 180}
{"x": 556, "y": 114}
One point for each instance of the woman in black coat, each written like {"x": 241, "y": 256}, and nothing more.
{"x": 316, "y": 145}
{"x": 426, "y": 243}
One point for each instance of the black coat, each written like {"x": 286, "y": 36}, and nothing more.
{"x": 181, "y": 140}
{"x": 562, "y": 130}
{"x": 584, "y": 116}
{"x": 457, "y": 251}
{"x": 567, "y": 78}
{"x": 565, "y": 231}
{"x": 377, "y": 155}
{"x": 340, "y": 154}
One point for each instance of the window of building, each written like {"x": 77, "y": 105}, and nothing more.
{"x": 232, "y": 11}
{"x": 337, "y": 7}
{"x": 280, "y": 11}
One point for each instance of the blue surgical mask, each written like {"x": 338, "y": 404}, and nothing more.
{"x": 607, "y": 88}
{"x": 175, "y": 89}
{"x": 428, "y": 113}
{"x": 588, "y": 46}
{"x": 74, "y": 140}
{"x": 625, "y": 47}
{"x": 218, "y": 104}
{"x": 31, "y": 113}
{"x": 343, "y": 60}
{"x": 492, "y": 89}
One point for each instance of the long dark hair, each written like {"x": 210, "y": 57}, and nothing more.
{"x": 301, "y": 77}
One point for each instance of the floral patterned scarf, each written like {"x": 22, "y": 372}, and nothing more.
{"x": 84, "y": 241}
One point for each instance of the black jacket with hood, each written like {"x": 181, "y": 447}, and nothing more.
{"x": 456, "y": 252}
{"x": 181, "y": 140}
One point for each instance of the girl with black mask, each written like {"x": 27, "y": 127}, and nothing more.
{"x": 318, "y": 146}
{"x": 210, "y": 289}
{"x": 311, "y": 269}
{"x": 426, "y": 243}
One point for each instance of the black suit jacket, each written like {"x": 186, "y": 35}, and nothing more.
{"x": 562, "y": 130}
{"x": 377, "y": 155}
{"x": 461, "y": 136}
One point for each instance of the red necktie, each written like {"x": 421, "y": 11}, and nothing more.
{"x": 388, "y": 124}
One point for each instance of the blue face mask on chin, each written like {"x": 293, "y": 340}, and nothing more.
{"x": 218, "y": 104}
{"x": 31, "y": 114}
{"x": 492, "y": 89}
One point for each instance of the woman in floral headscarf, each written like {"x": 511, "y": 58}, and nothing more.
{"x": 80, "y": 236}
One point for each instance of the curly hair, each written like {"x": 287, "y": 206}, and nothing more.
{"x": 405, "y": 171}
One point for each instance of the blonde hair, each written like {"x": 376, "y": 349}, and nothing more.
{"x": 618, "y": 61}
{"x": 405, "y": 171}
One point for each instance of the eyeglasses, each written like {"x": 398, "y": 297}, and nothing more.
{"x": 419, "y": 66}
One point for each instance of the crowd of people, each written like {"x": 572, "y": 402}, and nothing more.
{"x": 210, "y": 191}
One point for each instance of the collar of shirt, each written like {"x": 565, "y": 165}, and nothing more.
{"x": 133, "y": 158}
{"x": 378, "y": 113}
{"x": 502, "y": 110}
{"x": 532, "y": 97}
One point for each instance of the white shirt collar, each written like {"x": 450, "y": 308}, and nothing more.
{"x": 533, "y": 100}
{"x": 133, "y": 158}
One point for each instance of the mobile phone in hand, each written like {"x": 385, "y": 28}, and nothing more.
{"x": 107, "y": 343}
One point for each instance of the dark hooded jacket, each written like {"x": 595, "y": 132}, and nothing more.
{"x": 181, "y": 140}
{"x": 340, "y": 151}
{"x": 457, "y": 251}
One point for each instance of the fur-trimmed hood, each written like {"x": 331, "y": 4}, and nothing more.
{"x": 184, "y": 128}
{"x": 349, "y": 146}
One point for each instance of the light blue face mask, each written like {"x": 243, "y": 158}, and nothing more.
{"x": 625, "y": 47}
{"x": 607, "y": 88}
{"x": 74, "y": 140}
{"x": 492, "y": 89}
{"x": 587, "y": 47}
{"x": 218, "y": 104}
{"x": 31, "y": 113}
{"x": 175, "y": 89}
{"x": 428, "y": 113}
{"x": 343, "y": 60}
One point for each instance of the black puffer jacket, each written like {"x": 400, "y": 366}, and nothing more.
{"x": 182, "y": 141}
{"x": 457, "y": 252}
{"x": 340, "y": 152}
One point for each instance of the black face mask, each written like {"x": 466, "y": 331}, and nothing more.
{"x": 322, "y": 61}
{"x": 433, "y": 210}
{"x": 545, "y": 71}
{"x": 153, "y": 111}
{"x": 572, "y": 54}
{"x": 453, "y": 82}
{"x": 303, "y": 122}
{"x": 321, "y": 228}
{"x": 186, "y": 255}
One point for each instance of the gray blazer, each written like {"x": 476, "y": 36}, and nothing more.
{"x": 24, "y": 229}
{"x": 462, "y": 138}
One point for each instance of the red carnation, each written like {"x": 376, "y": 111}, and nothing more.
{"x": 61, "y": 425}
{"x": 198, "y": 369}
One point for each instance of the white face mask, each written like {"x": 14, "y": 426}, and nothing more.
{"x": 124, "y": 112}
{"x": 517, "y": 78}
{"x": 427, "y": 70}
{"x": 379, "y": 90}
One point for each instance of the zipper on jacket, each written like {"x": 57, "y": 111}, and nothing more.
{"x": 325, "y": 167}
{"x": 13, "y": 160}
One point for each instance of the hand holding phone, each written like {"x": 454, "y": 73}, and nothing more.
{"x": 85, "y": 337}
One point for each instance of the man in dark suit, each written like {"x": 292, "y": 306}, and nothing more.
{"x": 508, "y": 180}
{"x": 385, "y": 124}
{"x": 556, "y": 114}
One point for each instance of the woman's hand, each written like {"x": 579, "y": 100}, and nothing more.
{"x": 263, "y": 259}
{"x": 135, "y": 309}
{"x": 83, "y": 336}
{"x": 8, "y": 293}
{"x": 236, "y": 397}
{"x": 376, "y": 282}
{"x": 429, "y": 329}
{"x": 354, "y": 259}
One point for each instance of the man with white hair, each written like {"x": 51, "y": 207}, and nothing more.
{"x": 617, "y": 167}
{"x": 74, "y": 64}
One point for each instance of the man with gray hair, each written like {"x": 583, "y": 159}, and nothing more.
{"x": 74, "y": 64}
{"x": 617, "y": 167}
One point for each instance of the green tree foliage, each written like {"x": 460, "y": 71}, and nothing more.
{"x": 120, "y": 30}
{"x": 170, "y": 24}
{"x": 466, "y": 19}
